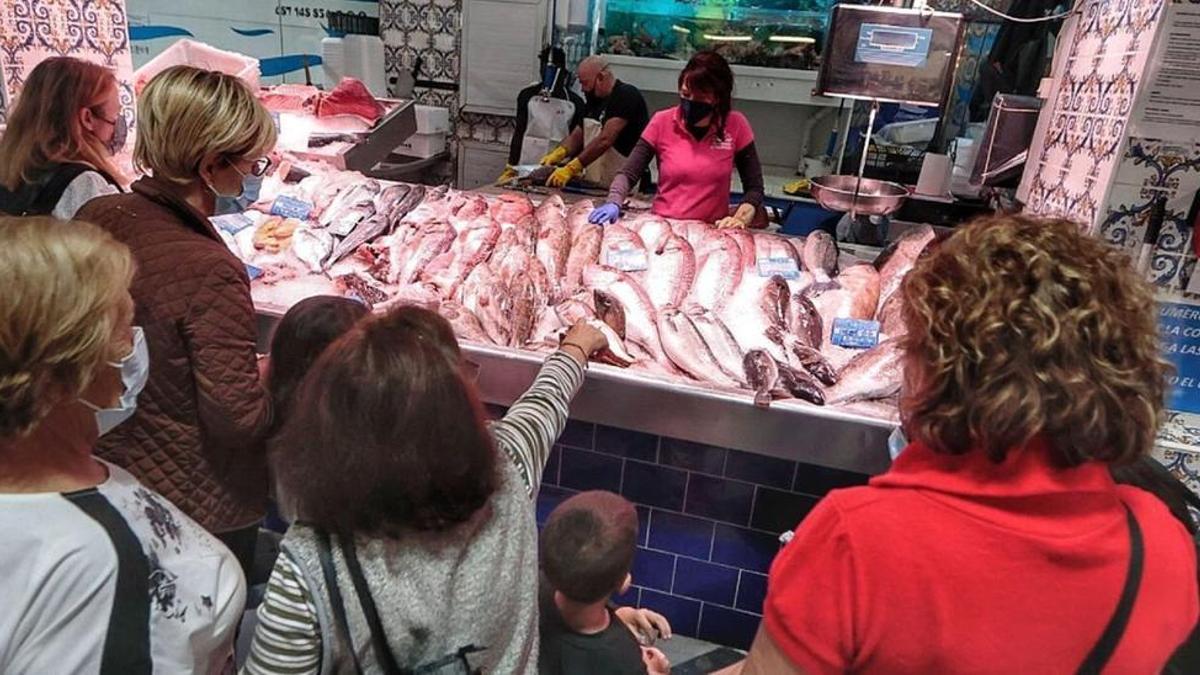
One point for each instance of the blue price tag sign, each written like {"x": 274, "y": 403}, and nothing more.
{"x": 290, "y": 207}
{"x": 253, "y": 272}
{"x": 232, "y": 222}
{"x": 855, "y": 333}
{"x": 778, "y": 267}
{"x": 1179, "y": 325}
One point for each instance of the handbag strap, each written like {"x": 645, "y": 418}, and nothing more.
{"x": 383, "y": 651}
{"x": 325, "y": 551}
{"x": 1111, "y": 637}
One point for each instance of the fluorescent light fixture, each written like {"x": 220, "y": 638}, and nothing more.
{"x": 728, "y": 38}
{"x": 792, "y": 39}
{"x": 680, "y": 29}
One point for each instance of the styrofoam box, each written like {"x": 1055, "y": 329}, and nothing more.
{"x": 432, "y": 120}
{"x": 423, "y": 145}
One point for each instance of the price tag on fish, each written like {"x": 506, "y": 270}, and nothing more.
{"x": 253, "y": 272}
{"x": 626, "y": 257}
{"x": 783, "y": 266}
{"x": 855, "y": 333}
{"x": 290, "y": 207}
{"x": 232, "y": 222}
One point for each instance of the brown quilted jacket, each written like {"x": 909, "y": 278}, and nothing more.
{"x": 197, "y": 436}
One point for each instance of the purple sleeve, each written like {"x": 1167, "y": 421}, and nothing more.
{"x": 634, "y": 167}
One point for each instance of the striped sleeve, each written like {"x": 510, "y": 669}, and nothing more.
{"x": 287, "y": 638}
{"x": 528, "y": 432}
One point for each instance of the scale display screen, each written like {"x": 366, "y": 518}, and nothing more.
{"x": 890, "y": 54}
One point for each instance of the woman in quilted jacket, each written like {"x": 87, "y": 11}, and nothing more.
{"x": 198, "y": 433}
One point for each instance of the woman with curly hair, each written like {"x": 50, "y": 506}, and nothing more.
{"x": 998, "y": 542}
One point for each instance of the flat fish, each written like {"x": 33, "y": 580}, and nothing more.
{"x": 483, "y": 295}
{"x": 617, "y": 291}
{"x": 762, "y": 375}
{"x": 820, "y": 255}
{"x": 685, "y": 347}
{"x": 871, "y": 375}
{"x": 899, "y": 258}
{"x": 585, "y": 250}
{"x": 510, "y": 207}
{"x": 719, "y": 273}
{"x": 465, "y": 324}
{"x": 554, "y": 251}
{"x": 312, "y": 247}
{"x": 670, "y": 272}
{"x": 365, "y": 231}
{"x": 410, "y": 258}
{"x": 719, "y": 339}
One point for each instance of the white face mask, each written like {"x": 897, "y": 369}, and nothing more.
{"x": 135, "y": 370}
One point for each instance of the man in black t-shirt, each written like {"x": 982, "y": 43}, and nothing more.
{"x": 614, "y": 118}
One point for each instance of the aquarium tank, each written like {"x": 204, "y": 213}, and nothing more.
{"x": 769, "y": 33}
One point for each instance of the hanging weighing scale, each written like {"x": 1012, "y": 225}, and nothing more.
{"x": 883, "y": 55}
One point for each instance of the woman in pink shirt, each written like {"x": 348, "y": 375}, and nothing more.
{"x": 697, "y": 144}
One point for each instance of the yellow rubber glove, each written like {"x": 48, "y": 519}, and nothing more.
{"x": 565, "y": 174}
{"x": 507, "y": 175}
{"x": 740, "y": 219}
{"x": 554, "y": 156}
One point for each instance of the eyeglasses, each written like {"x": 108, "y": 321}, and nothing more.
{"x": 259, "y": 168}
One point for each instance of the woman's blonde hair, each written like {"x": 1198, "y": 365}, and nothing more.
{"x": 64, "y": 284}
{"x": 44, "y": 127}
{"x": 187, "y": 115}
{"x": 1021, "y": 328}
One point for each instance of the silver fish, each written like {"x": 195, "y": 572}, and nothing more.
{"x": 616, "y": 291}
{"x": 870, "y": 375}
{"x": 670, "y": 272}
{"x": 720, "y": 341}
{"x": 365, "y": 231}
{"x": 312, "y": 247}
{"x": 719, "y": 272}
{"x": 689, "y": 352}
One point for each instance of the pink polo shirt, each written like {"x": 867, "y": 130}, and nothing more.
{"x": 693, "y": 176}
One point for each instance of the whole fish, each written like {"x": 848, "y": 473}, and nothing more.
{"x": 718, "y": 274}
{"x": 365, "y": 231}
{"x": 747, "y": 247}
{"x": 510, "y": 207}
{"x": 482, "y": 294}
{"x": 526, "y": 307}
{"x": 670, "y": 272}
{"x": 805, "y": 321}
{"x": 814, "y": 362}
{"x": 719, "y": 339}
{"x": 349, "y": 207}
{"x": 899, "y": 258}
{"x": 470, "y": 248}
{"x": 465, "y": 324}
{"x": 551, "y": 210}
{"x": 585, "y": 250}
{"x": 399, "y": 209}
{"x": 434, "y": 207}
{"x": 519, "y": 262}
{"x": 390, "y": 194}
{"x": 614, "y": 353}
{"x": 312, "y": 247}
{"x": 652, "y": 230}
{"x": 615, "y": 289}
{"x": 762, "y": 375}
{"x": 573, "y": 310}
{"x": 554, "y": 251}
{"x": 774, "y": 246}
{"x": 577, "y": 216}
{"x": 891, "y": 316}
{"x": 547, "y": 328}
{"x": 326, "y": 189}
{"x": 852, "y": 295}
{"x": 468, "y": 206}
{"x": 820, "y": 255}
{"x": 870, "y": 375}
{"x": 757, "y": 315}
{"x": 408, "y": 260}
{"x": 694, "y": 231}
{"x": 800, "y": 384}
{"x": 685, "y": 347}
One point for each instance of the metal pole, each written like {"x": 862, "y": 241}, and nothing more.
{"x": 862, "y": 162}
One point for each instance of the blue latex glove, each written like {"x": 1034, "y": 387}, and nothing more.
{"x": 605, "y": 215}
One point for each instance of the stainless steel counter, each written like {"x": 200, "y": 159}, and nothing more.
{"x": 853, "y": 438}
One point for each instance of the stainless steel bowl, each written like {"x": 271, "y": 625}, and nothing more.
{"x": 875, "y": 197}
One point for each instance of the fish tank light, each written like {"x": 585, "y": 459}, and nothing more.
{"x": 792, "y": 39}
{"x": 728, "y": 38}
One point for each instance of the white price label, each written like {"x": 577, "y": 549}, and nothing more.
{"x": 627, "y": 258}
{"x": 784, "y": 266}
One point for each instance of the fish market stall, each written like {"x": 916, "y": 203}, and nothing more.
{"x": 743, "y": 340}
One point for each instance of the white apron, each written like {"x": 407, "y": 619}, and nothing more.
{"x": 549, "y": 123}
{"x": 605, "y": 169}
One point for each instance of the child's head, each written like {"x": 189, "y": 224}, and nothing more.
{"x": 303, "y": 333}
{"x": 588, "y": 545}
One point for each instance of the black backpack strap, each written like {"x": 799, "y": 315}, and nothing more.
{"x": 325, "y": 550}
{"x": 55, "y": 185}
{"x": 1111, "y": 637}
{"x": 383, "y": 651}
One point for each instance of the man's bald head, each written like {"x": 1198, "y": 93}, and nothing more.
{"x": 596, "y": 77}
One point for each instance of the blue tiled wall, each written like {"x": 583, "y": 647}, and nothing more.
{"x": 710, "y": 520}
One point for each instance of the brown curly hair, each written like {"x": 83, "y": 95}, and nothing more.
{"x": 1020, "y": 327}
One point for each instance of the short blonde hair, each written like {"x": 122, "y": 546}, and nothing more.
{"x": 64, "y": 283}
{"x": 1021, "y": 328}
{"x": 187, "y": 115}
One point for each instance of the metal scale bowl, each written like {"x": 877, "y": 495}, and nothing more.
{"x": 858, "y": 196}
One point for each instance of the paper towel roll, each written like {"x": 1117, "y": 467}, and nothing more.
{"x": 935, "y": 175}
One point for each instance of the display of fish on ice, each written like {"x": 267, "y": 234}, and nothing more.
{"x": 677, "y": 298}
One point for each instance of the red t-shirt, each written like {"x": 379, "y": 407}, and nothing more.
{"x": 954, "y": 564}
{"x": 693, "y": 176}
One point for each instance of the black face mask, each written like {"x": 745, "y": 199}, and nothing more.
{"x": 694, "y": 112}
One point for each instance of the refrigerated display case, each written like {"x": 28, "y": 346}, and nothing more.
{"x": 765, "y": 33}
